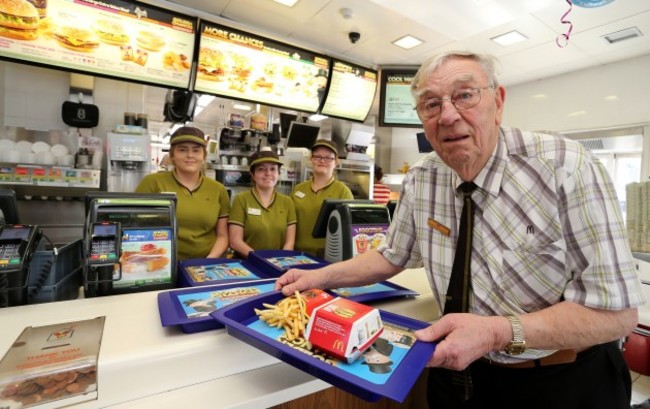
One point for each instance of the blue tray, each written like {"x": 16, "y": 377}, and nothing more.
{"x": 282, "y": 260}
{"x": 189, "y": 308}
{"x": 210, "y": 271}
{"x": 374, "y": 292}
{"x": 403, "y": 359}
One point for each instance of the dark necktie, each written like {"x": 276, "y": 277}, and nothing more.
{"x": 459, "y": 283}
{"x": 457, "y": 384}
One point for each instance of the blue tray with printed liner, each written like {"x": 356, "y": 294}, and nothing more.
{"x": 283, "y": 260}
{"x": 210, "y": 271}
{"x": 374, "y": 292}
{"x": 189, "y": 308}
{"x": 388, "y": 369}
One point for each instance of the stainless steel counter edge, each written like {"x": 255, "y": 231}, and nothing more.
{"x": 142, "y": 365}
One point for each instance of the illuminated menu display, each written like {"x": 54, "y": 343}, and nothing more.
{"x": 112, "y": 38}
{"x": 396, "y": 107}
{"x": 351, "y": 92}
{"x": 239, "y": 65}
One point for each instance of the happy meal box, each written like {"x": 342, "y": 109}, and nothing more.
{"x": 344, "y": 328}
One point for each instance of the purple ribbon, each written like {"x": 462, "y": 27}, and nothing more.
{"x": 563, "y": 39}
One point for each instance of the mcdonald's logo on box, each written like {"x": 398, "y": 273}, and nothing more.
{"x": 344, "y": 328}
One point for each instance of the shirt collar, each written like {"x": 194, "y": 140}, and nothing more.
{"x": 490, "y": 177}
{"x": 259, "y": 200}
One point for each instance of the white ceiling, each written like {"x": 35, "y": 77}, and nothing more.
{"x": 319, "y": 25}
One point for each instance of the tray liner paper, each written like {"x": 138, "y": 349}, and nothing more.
{"x": 190, "y": 307}
{"x": 389, "y": 368}
{"x": 52, "y": 365}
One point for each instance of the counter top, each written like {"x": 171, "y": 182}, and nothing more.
{"x": 143, "y": 365}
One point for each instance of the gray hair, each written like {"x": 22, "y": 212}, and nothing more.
{"x": 486, "y": 61}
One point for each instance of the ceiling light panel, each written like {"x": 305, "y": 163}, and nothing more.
{"x": 288, "y": 3}
{"x": 407, "y": 42}
{"x": 510, "y": 38}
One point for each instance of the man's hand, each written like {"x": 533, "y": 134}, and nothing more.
{"x": 464, "y": 338}
{"x": 298, "y": 280}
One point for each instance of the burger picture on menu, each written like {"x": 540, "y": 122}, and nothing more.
{"x": 76, "y": 39}
{"x": 150, "y": 41}
{"x": 212, "y": 64}
{"x": 18, "y": 20}
{"x": 111, "y": 32}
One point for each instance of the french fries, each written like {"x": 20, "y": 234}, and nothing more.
{"x": 290, "y": 314}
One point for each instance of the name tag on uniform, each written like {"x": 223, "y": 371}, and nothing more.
{"x": 253, "y": 211}
{"x": 300, "y": 194}
{"x": 437, "y": 226}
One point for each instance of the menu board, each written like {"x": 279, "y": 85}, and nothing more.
{"x": 243, "y": 66}
{"x": 111, "y": 38}
{"x": 351, "y": 92}
{"x": 396, "y": 104}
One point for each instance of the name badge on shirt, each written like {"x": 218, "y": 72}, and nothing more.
{"x": 437, "y": 226}
{"x": 300, "y": 194}
{"x": 255, "y": 212}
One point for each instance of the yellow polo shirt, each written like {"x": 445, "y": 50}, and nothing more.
{"x": 197, "y": 212}
{"x": 265, "y": 228}
{"x": 308, "y": 204}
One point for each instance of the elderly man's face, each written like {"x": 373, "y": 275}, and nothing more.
{"x": 463, "y": 138}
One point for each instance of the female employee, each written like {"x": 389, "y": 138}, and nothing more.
{"x": 261, "y": 218}
{"x": 202, "y": 204}
{"x": 309, "y": 195}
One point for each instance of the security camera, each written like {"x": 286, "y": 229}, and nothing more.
{"x": 354, "y": 37}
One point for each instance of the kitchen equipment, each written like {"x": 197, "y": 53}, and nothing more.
{"x": 128, "y": 161}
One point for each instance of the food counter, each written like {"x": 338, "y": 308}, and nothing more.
{"x": 143, "y": 365}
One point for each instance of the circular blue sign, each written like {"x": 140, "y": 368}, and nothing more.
{"x": 591, "y": 3}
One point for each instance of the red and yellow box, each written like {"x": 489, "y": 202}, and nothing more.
{"x": 344, "y": 328}
{"x": 314, "y": 298}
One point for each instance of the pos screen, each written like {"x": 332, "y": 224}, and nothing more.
{"x": 101, "y": 229}
{"x": 320, "y": 227}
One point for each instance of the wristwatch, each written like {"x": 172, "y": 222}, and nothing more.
{"x": 518, "y": 345}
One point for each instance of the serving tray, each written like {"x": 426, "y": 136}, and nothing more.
{"x": 210, "y": 271}
{"x": 388, "y": 369}
{"x": 189, "y": 308}
{"x": 374, "y": 292}
{"x": 283, "y": 260}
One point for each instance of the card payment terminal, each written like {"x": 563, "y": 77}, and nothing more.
{"x": 17, "y": 244}
{"x": 105, "y": 243}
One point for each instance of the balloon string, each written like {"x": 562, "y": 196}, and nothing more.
{"x": 563, "y": 39}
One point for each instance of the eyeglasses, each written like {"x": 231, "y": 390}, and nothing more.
{"x": 326, "y": 159}
{"x": 461, "y": 99}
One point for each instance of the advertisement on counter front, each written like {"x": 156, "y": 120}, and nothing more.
{"x": 146, "y": 257}
{"x": 351, "y": 92}
{"x": 111, "y": 38}
{"x": 240, "y": 65}
{"x": 367, "y": 237}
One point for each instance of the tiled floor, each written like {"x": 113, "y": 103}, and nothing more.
{"x": 640, "y": 388}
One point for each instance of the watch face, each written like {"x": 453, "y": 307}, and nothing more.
{"x": 516, "y": 348}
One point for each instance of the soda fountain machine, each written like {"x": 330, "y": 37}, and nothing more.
{"x": 128, "y": 160}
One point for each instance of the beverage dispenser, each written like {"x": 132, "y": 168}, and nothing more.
{"x": 128, "y": 160}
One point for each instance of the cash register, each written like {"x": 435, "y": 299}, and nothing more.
{"x": 350, "y": 227}
{"x": 17, "y": 245}
{"x": 129, "y": 242}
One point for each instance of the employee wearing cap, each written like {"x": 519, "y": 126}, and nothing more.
{"x": 202, "y": 206}
{"x": 261, "y": 218}
{"x": 309, "y": 195}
